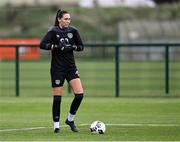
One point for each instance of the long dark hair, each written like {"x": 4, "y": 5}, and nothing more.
{"x": 59, "y": 14}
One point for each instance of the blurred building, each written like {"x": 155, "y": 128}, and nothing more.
{"x": 115, "y": 3}
{"x": 82, "y": 3}
{"x": 149, "y": 32}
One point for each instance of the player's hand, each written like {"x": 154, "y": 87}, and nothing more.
{"x": 62, "y": 46}
{"x": 65, "y": 46}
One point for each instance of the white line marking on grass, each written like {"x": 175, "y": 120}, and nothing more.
{"x": 27, "y": 129}
{"x": 147, "y": 125}
{"x": 22, "y": 129}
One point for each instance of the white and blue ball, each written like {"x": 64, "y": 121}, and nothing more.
{"x": 98, "y": 127}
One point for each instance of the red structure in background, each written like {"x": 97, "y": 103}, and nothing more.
{"x": 29, "y": 53}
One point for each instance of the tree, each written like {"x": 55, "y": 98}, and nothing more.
{"x": 166, "y": 1}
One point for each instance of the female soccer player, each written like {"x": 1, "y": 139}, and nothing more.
{"x": 62, "y": 39}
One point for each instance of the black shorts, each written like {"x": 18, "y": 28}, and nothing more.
{"x": 58, "y": 77}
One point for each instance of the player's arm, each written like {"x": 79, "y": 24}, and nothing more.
{"x": 46, "y": 42}
{"x": 78, "y": 42}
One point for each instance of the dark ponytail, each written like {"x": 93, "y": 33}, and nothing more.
{"x": 59, "y": 14}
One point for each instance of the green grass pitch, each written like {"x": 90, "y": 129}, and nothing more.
{"x": 141, "y": 113}
{"x": 126, "y": 119}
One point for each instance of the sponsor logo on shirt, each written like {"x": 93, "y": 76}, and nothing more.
{"x": 57, "y": 36}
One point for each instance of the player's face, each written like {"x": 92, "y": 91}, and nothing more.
{"x": 65, "y": 20}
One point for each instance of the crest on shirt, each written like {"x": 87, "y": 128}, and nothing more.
{"x": 70, "y": 35}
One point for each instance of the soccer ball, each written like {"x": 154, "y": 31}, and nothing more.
{"x": 98, "y": 127}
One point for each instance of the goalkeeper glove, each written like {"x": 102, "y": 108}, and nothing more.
{"x": 66, "y": 47}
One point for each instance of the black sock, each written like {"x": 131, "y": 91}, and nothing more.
{"x": 76, "y": 103}
{"x": 56, "y": 108}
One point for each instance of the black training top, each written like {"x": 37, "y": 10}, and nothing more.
{"x": 62, "y": 60}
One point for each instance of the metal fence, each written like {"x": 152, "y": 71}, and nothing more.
{"x": 107, "y": 75}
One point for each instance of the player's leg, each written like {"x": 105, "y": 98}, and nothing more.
{"x": 56, "y": 107}
{"x": 57, "y": 79}
{"x": 77, "y": 88}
